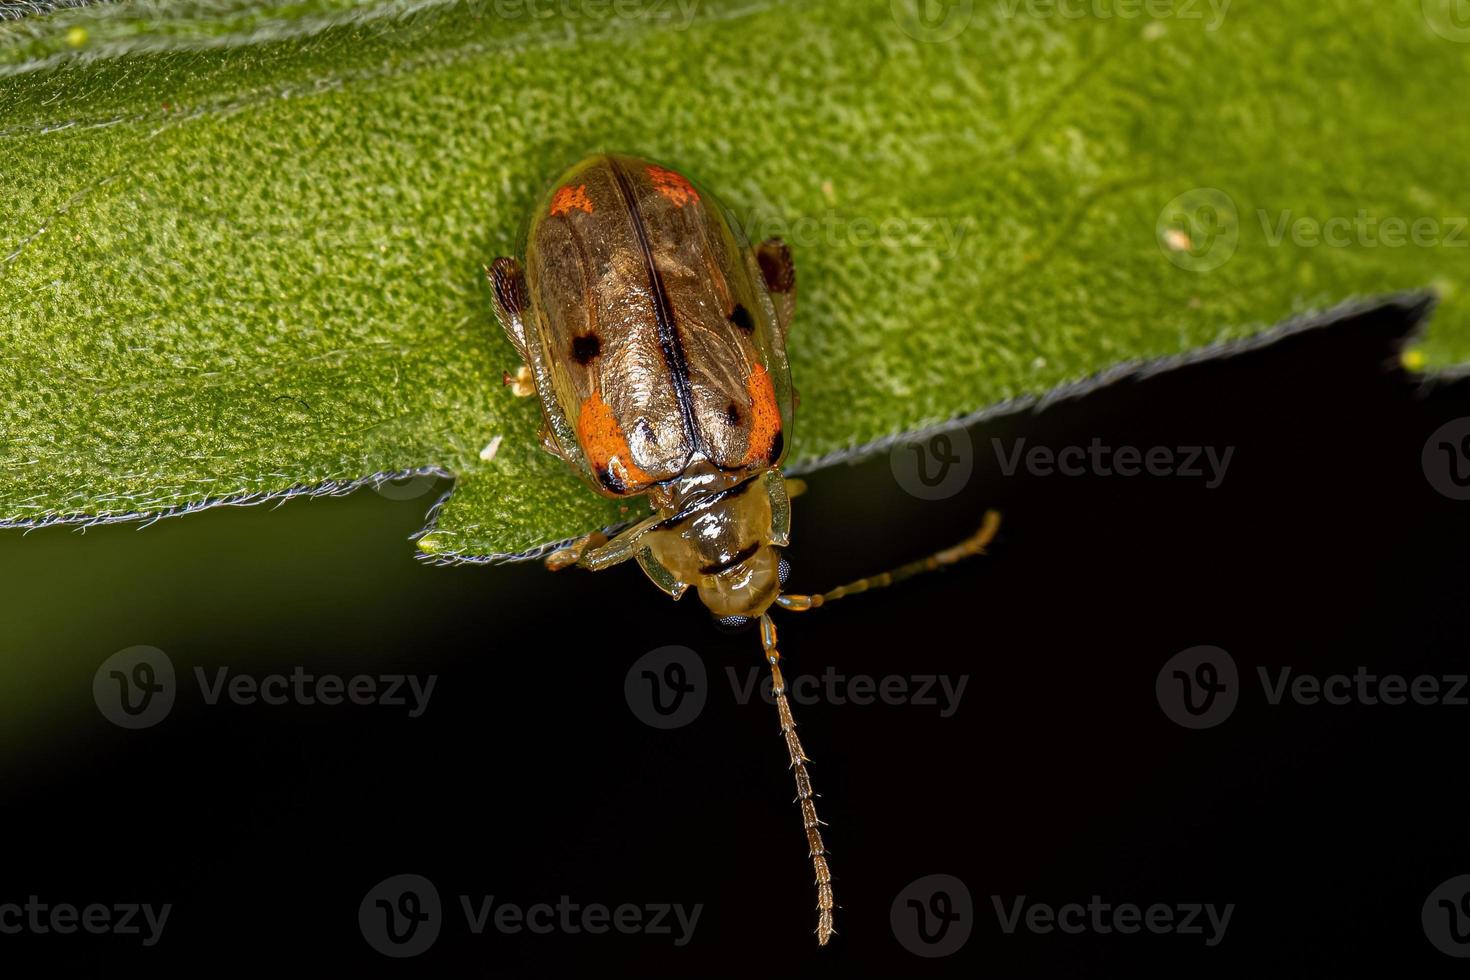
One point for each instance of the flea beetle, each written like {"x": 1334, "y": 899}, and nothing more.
{"x": 654, "y": 336}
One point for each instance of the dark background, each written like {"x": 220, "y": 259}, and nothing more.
{"x": 529, "y": 776}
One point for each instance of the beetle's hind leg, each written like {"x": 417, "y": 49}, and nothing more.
{"x": 508, "y": 284}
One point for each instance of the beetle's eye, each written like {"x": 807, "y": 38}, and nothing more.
{"x": 734, "y": 624}
{"x": 783, "y": 570}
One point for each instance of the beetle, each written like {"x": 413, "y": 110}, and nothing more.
{"x": 654, "y": 336}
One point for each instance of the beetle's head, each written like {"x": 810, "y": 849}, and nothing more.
{"x": 728, "y": 549}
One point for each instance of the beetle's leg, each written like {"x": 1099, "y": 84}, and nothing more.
{"x": 574, "y": 553}
{"x": 595, "y": 552}
{"x": 508, "y": 285}
{"x": 794, "y": 487}
{"x": 973, "y": 545}
{"x": 779, "y": 272}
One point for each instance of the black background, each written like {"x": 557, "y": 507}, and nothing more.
{"x": 1058, "y": 777}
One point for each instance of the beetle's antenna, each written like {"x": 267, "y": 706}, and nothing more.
{"x": 815, "y": 849}
{"x": 973, "y": 545}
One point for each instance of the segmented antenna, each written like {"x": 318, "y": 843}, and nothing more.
{"x": 975, "y": 544}
{"x": 804, "y": 795}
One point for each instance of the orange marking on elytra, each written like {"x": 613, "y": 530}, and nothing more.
{"x": 569, "y": 197}
{"x": 605, "y": 443}
{"x": 766, "y": 415}
{"x": 672, "y": 185}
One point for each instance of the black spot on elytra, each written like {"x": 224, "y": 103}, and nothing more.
{"x": 740, "y": 316}
{"x": 732, "y": 414}
{"x": 586, "y": 348}
{"x": 777, "y": 444}
{"x": 613, "y": 482}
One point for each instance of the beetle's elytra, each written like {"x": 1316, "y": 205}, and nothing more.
{"x": 654, "y": 336}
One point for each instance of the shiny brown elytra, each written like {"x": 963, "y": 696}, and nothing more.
{"x": 654, "y": 336}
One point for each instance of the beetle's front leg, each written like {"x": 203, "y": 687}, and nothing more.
{"x": 595, "y": 552}
{"x": 575, "y": 553}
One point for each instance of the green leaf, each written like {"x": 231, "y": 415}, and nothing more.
{"x": 241, "y": 243}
